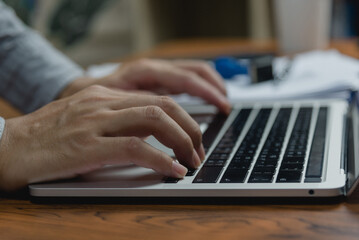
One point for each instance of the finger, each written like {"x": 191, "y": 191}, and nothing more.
{"x": 119, "y": 149}
{"x": 196, "y": 86}
{"x": 178, "y": 80}
{"x": 204, "y": 70}
{"x": 152, "y": 120}
{"x": 177, "y": 113}
{"x": 112, "y": 100}
{"x": 136, "y": 92}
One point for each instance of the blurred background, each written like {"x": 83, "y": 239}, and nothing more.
{"x": 95, "y": 31}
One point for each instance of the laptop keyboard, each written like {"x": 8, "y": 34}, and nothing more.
{"x": 294, "y": 157}
{"x": 272, "y": 161}
{"x": 267, "y": 161}
{"x": 212, "y": 168}
{"x": 243, "y": 158}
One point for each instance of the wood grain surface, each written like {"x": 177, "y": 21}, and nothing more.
{"x": 22, "y": 219}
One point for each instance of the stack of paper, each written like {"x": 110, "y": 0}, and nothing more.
{"x": 312, "y": 74}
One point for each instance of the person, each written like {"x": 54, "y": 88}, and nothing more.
{"x": 75, "y": 124}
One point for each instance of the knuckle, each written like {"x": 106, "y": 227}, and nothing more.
{"x": 95, "y": 88}
{"x": 166, "y": 103}
{"x": 82, "y": 141}
{"x": 166, "y": 166}
{"x": 187, "y": 141}
{"x": 203, "y": 66}
{"x": 93, "y": 116}
{"x": 133, "y": 144}
{"x": 82, "y": 137}
{"x": 145, "y": 64}
{"x": 95, "y": 93}
{"x": 153, "y": 112}
{"x": 188, "y": 78}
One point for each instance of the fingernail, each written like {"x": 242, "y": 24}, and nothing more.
{"x": 195, "y": 159}
{"x": 178, "y": 170}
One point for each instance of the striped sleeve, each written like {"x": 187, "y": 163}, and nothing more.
{"x": 32, "y": 72}
{"x": 2, "y": 126}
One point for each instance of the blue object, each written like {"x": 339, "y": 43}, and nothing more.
{"x": 229, "y": 67}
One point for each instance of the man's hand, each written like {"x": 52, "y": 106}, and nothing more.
{"x": 95, "y": 127}
{"x": 163, "y": 77}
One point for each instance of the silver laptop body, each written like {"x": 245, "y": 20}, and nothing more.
{"x": 262, "y": 149}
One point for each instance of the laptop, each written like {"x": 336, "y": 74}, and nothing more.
{"x": 301, "y": 148}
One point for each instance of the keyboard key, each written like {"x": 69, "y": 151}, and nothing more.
{"x": 240, "y": 162}
{"x": 265, "y": 170}
{"x": 260, "y": 178}
{"x": 213, "y": 129}
{"x": 214, "y": 163}
{"x": 242, "y": 166}
{"x": 226, "y": 144}
{"x": 292, "y": 166}
{"x": 208, "y": 175}
{"x": 191, "y": 172}
{"x": 219, "y": 156}
{"x": 293, "y": 160}
{"x": 223, "y": 150}
{"x": 171, "y": 180}
{"x": 242, "y": 158}
{"x": 266, "y": 163}
{"x": 289, "y": 176}
{"x": 234, "y": 176}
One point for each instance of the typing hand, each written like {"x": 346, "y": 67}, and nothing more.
{"x": 95, "y": 127}
{"x": 163, "y": 77}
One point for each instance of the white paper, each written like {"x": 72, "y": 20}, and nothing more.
{"x": 313, "y": 74}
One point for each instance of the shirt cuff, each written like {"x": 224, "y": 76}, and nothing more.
{"x": 2, "y": 126}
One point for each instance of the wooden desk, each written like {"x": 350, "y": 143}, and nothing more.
{"x": 21, "y": 219}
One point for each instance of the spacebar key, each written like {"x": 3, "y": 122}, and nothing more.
{"x": 208, "y": 175}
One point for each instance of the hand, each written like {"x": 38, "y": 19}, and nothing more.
{"x": 95, "y": 127}
{"x": 163, "y": 77}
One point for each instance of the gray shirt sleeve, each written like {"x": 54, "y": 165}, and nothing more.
{"x": 2, "y": 126}
{"x": 32, "y": 72}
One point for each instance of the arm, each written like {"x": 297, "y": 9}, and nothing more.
{"x": 91, "y": 126}
{"x": 32, "y": 72}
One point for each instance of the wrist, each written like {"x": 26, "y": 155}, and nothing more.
{"x": 6, "y": 183}
{"x": 75, "y": 86}
{"x": 17, "y": 153}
